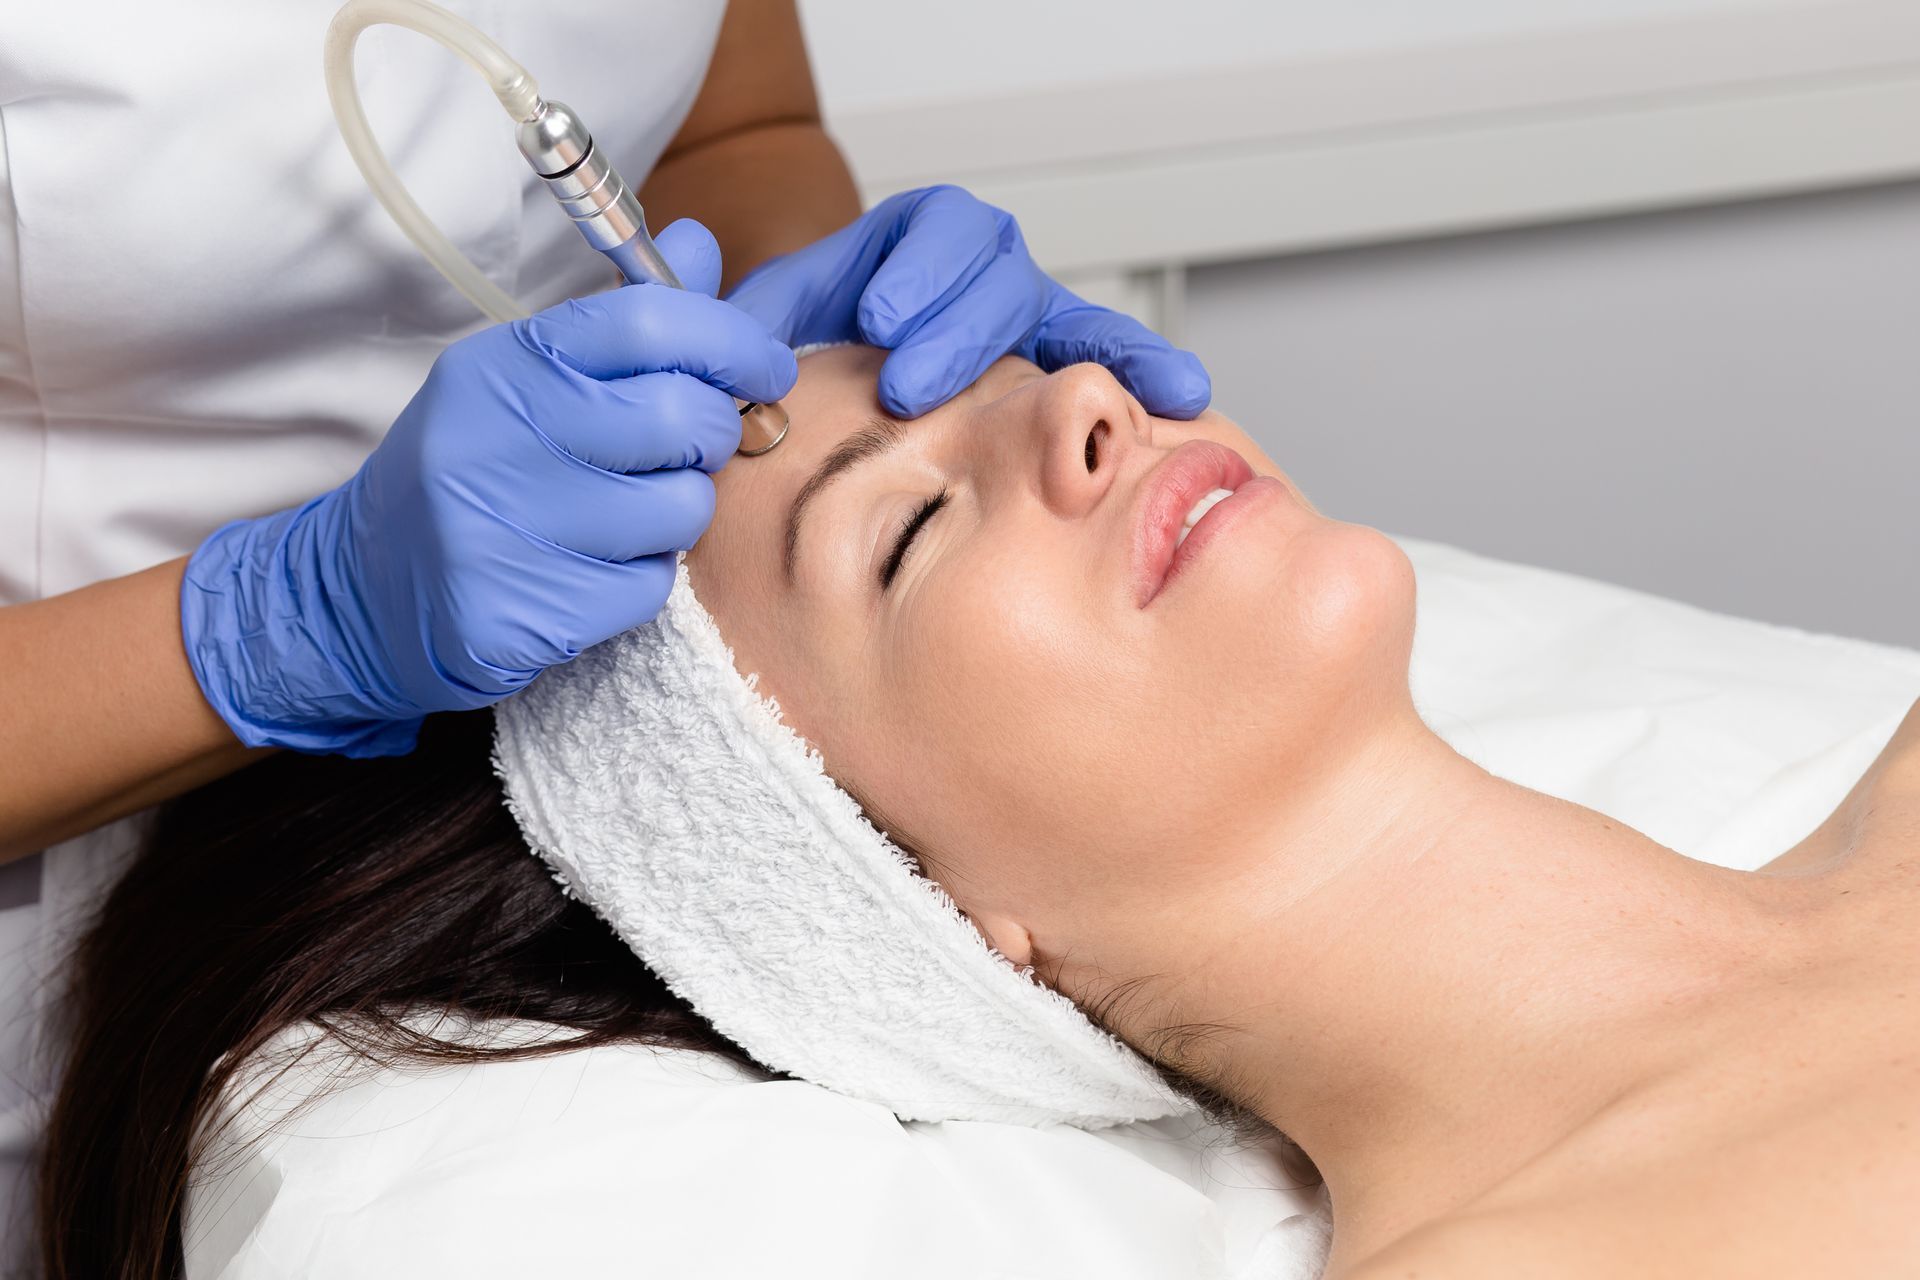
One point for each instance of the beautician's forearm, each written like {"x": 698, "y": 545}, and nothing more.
{"x": 102, "y": 715}
{"x": 763, "y": 191}
{"x": 751, "y": 160}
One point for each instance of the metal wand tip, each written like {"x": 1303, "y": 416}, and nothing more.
{"x": 762, "y": 426}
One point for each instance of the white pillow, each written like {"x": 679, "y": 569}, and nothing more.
{"x": 1726, "y": 739}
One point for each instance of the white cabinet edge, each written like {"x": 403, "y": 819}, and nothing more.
{"x": 1263, "y": 160}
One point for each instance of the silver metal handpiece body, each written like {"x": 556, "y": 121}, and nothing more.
{"x": 592, "y": 193}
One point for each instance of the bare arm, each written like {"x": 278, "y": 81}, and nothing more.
{"x": 102, "y": 714}
{"x": 752, "y": 162}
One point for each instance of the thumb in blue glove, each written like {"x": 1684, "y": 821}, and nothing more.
{"x": 526, "y": 505}
{"x": 946, "y": 283}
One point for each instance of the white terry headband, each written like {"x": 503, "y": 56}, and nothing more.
{"x": 667, "y": 793}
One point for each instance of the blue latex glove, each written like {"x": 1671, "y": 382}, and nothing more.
{"x": 945, "y": 282}
{"x": 524, "y": 507}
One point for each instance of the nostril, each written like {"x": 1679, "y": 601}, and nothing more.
{"x": 1094, "y": 437}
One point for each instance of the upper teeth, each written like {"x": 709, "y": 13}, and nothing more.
{"x": 1201, "y": 508}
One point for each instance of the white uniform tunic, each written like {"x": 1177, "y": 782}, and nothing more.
{"x": 204, "y": 314}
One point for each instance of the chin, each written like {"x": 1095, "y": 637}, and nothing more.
{"x": 1324, "y": 628}
{"x": 1352, "y": 592}
{"x": 1326, "y": 593}
{"x": 1293, "y": 646}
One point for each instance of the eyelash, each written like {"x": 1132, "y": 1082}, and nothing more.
{"x": 909, "y": 529}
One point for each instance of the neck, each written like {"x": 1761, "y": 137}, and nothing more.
{"x": 1467, "y": 975}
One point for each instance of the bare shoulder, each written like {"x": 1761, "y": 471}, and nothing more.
{"x": 1901, "y": 759}
{"x": 1898, "y": 765}
{"x": 1715, "y": 1192}
{"x": 1886, "y": 797}
{"x": 1575, "y": 1239}
{"x": 1428, "y": 1254}
{"x": 1481, "y": 1247}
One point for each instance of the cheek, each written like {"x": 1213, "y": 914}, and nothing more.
{"x": 1088, "y": 758}
{"x": 1056, "y": 759}
{"x": 995, "y": 720}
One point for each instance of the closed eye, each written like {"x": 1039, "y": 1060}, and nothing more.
{"x": 909, "y": 530}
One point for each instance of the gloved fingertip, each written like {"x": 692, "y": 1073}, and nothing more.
{"x": 907, "y": 391}
{"x": 904, "y": 403}
{"x": 931, "y": 370}
{"x": 1169, "y": 383}
{"x": 1189, "y": 388}
{"x": 694, "y": 255}
{"x": 879, "y": 326}
{"x": 785, "y": 368}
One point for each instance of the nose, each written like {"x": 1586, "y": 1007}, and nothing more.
{"x": 1081, "y": 427}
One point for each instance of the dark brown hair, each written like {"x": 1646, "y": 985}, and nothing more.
{"x": 346, "y": 893}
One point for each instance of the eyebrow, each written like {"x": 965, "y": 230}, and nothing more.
{"x": 874, "y": 438}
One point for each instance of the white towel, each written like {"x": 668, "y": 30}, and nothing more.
{"x": 667, "y": 793}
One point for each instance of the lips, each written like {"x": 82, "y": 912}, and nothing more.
{"x": 1167, "y": 494}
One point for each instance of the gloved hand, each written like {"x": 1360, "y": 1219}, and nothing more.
{"x": 945, "y": 282}
{"x": 523, "y": 507}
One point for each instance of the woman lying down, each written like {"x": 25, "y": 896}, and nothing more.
{"x": 1074, "y": 778}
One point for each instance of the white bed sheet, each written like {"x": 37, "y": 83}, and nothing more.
{"x": 1726, "y": 739}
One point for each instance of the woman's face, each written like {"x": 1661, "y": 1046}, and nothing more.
{"x": 971, "y": 615}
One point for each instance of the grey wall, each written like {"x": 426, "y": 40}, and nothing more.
{"x": 1720, "y": 405}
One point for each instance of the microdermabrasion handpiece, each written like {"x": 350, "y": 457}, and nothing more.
{"x": 597, "y": 198}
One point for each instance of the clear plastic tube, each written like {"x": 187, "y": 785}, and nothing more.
{"x": 762, "y": 425}
{"x": 510, "y": 83}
